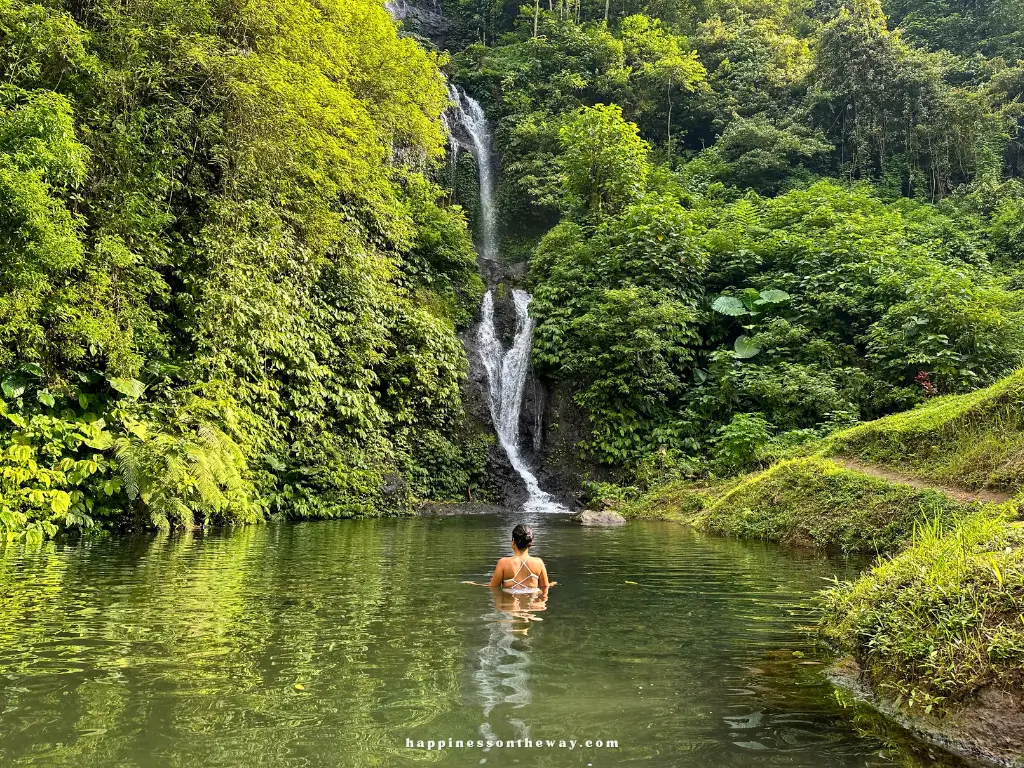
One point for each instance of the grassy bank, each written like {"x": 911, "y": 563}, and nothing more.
{"x": 682, "y": 501}
{"x": 810, "y": 502}
{"x": 940, "y": 621}
{"x": 973, "y": 441}
{"x": 815, "y": 502}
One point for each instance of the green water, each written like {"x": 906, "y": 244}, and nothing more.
{"x": 187, "y": 651}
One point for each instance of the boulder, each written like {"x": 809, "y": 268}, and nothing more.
{"x": 604, "y": 517}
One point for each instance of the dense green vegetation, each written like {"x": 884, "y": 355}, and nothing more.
{"x": 761, "y": 237}
{"x": 228, "y": 285}
{"x": 232, "y": 280}
{"x": 750, "y": 224}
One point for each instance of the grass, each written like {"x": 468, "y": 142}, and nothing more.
{"x": 815, "y": 502}
{"x": 942, "y": 620}
{"x": 681, "y": 501}
{"x": 807, "y": 501}
{"x": 974, "y": 441}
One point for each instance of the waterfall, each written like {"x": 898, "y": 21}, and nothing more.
{"x": 506, "y": 380}
{"x": 506, "y": 369}
{"x": 469, "y": 116}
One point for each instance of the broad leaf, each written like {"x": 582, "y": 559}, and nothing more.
{"x": 14, "y": 386}
{"x": 132, "y": 388}
{"x": 728, "y": 305}
{"x": 773, "y": 296}
{"x": 746, "y": 348}
{"x": 32, "y": 368}
{"x": 45, "y": 398}
{"x": 750, "y": 298}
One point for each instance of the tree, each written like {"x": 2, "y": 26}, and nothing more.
{"x": 604, "y": 159}
{"x": 893, "y": 114}
{"x": 661, "y": 58}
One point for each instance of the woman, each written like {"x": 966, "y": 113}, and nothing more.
{"x": 520, "y": 574}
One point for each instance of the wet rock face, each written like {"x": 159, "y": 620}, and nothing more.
{"x": 563, "y": 427}
{"x": 421, "y": 17}
{"x": 505, "y": 320}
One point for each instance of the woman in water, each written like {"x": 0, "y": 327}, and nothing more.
{"x": 520, "y": 574}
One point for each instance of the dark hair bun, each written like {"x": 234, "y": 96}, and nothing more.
{"x": 522, "y": 536}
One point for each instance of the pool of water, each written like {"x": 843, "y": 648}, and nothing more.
{"x": 342, "y": 643}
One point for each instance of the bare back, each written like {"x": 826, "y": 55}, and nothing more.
{"x": 520, "y": 573}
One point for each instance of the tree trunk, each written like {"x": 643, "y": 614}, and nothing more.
{"x": 669, "y": 128}
{"x": 607, "y": 5}
{"x": 536, "y": 16}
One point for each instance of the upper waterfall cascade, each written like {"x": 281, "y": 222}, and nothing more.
{"x": 507, "y": 369}
{"x": 468, "y": 128}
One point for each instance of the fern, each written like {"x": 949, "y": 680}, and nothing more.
{"x": 129, "y": 463}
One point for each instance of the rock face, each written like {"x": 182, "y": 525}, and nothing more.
{"x": 603, "y": 518}
{"x": 562, "y": 427}
{"x": 988, "y": 730}
{"x": 421, "y": 17}
{"x": 440, "y": 509}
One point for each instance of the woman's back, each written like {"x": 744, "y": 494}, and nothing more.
{"x": 521, "y": 573}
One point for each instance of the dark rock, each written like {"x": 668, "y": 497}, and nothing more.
{"x": 564, "y": 427}
{"x": 440, "y": 509}
{"x": 421, "y": 17}
{"x": 605, "y": 518}
{"x": 395, "y": 488}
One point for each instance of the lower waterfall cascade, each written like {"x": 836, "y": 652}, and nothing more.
{"x": 507, "y": 370}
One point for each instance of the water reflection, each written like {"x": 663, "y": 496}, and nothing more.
{"x": 503, "y": 672}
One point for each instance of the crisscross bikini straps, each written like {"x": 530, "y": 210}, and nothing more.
{"x": 517, "y": 582}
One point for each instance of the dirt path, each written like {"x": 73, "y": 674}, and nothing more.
{"x": 960, "y": 494}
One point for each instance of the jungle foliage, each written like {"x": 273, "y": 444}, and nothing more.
{"x": 757, "y": 223}
{"x": 231, "y": 283}
{"x": 228, "y": 285}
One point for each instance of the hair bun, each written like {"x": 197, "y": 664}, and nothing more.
{"x": 522, "y": 536}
